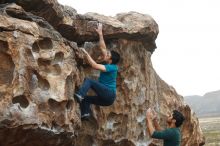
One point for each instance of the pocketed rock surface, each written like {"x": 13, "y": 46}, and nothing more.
{"x": 41, "y": 66}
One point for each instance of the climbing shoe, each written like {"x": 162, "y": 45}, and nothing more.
{"x": 85, "y": 117}
{"x": 78, "y": 98}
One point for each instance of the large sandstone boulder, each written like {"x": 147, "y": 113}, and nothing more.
{"x": 41, "y": 67}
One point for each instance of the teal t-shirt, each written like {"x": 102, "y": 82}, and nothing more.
{"x": 171, "y": 136}
{"x": 108, "y": 77}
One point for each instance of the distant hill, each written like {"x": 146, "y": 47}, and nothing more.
{"x": 207, "y": 105}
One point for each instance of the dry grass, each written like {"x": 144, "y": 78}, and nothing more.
{"x": 211, "y": 129}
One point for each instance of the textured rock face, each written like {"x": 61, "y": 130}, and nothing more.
{"x": 41, "y": 67}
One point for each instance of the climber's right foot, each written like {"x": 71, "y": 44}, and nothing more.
{"x": 78, "y": 98}
{"x": 85, "y": 117}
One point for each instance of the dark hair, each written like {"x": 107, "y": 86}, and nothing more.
{"x": 115, "y": 57}
{"x": 178, "y": 117}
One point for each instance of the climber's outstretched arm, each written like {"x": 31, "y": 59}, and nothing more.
{"x": 155, "y": 120}
{"x": 92, "y": 62}
{"x": 149, "y": 122}
{"x": 156, "y": 124}
{"x": 102, "y": 45}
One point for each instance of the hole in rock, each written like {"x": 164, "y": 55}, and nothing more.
{"x": 3, "y": 46}
{"x": 52, "y": 103}
{"x": 42, "y": 83}
{"x": 43, "y": 62}
{"x": 35, "y": 47}
{"x": 56, "y": 106}
{"x": 69, "y": 87}
{"x": 58, "y": 57}
{"x": 45, "y": 44}
{"x": 6, "y": 69}
{"x": 69, "y": 104}
{"x": 22, "y": 100}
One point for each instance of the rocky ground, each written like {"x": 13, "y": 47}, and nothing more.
{"x": 211, "y": 129}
